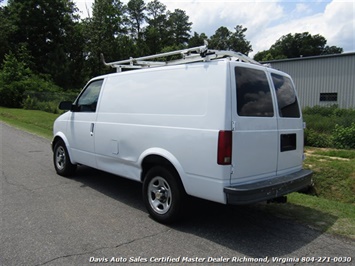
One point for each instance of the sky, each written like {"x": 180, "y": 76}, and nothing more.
{"x": 267, "y": 21}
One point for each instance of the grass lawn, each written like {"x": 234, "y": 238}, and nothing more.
{"x": 37, "y": 122}
{"x": 331, "y": 208}
{"x": 334, "y": 173}
{"x": 322, "y": 214}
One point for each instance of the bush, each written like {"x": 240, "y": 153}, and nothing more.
{"x": 34, "y": 104}
{"x": 47, "y": 101}
{"x": 11, "y": 95}
{"x": 30, "y": 103}
{"x": 15, "y": 79}
{"x": 20, "y": 88}
{"x": 12, "y": 81}
{"x": 344, "y": 137}
{"x": 316, "y": 139}
{"x": 326, "y": 111}
{"x": 319, "y": 123}
{"x": 329, "y": 127}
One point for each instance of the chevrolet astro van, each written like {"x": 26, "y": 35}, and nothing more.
{"x": 214, "y": 125}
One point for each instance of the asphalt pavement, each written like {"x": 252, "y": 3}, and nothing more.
{"x": 96, "y": 218}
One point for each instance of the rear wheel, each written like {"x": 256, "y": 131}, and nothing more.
{"x": 61, "y": 160}
{"x": 163, "y": 194}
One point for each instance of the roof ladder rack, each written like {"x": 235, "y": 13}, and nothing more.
{"x": 189, "y": 55}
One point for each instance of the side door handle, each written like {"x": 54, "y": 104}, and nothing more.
{"x": 92, "y": 129}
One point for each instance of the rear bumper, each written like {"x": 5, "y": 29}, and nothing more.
{"x": 269, "y": 189}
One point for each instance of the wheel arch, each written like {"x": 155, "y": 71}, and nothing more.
{"x": 60, "y": 136}
{"x": 157, "y": 157}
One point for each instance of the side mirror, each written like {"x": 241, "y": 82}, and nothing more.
{"x": 65, "y": 105}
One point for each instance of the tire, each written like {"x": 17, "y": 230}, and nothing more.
{"x": 163, "y": 194}
{"x": 61, "y": 160}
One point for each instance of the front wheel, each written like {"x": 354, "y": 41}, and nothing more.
{"x": 163, "y": 194}
{"x": 61, "y": 160}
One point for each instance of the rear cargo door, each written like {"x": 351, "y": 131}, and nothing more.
{"x": 255, "y": 135}
{"x": 290, "y": 125}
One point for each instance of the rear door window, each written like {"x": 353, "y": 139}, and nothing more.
{"x": 286, "y": 96}
{"x": 253, "y": 93}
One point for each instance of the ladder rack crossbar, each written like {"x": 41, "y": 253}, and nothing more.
{"x": 238, "y": 55}
{"x": 178, "y": 52}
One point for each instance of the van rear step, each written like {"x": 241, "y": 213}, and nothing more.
{"x": 268, "y": 189}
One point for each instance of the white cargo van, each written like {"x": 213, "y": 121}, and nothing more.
{"x": 214, "y": 125}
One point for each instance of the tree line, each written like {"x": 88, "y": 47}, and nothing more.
{"x": 46, "y": 41}
{"x": 50, "y": 38}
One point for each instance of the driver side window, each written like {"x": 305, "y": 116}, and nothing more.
{"x": 87, "y": 101}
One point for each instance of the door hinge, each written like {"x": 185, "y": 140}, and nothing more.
{"x": 233, "y": 125}
{"x": 232, "y": 169}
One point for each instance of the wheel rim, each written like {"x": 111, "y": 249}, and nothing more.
{"x": 159, "y": 195}
{"x": 60, "y": 158}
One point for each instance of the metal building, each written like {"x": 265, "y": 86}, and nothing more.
{"x": 322, "y": 80}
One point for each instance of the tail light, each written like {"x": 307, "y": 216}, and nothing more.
{"x": 224, "y": 152}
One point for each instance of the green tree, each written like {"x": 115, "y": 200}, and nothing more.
{"x": 6, "y": 30}
{"x": 268, "y": 55}
{"x": 77, "y": 46}
{"x": 156, "y": 13}
{"x": 197, "y": 39}
{"x": 297, "y": 45}
{"x": 44, "y": 27}
{"x": 17, "y": 80}
{"x": 224, "y": 39}
{"x": 136, "y": 15}
{"x": 220, "y": 39}
{"x": 104, "y": 33}
{"x": 12, "y": 78}
{"x": 179, "y": 27}
{"x": 238, "y": 42}
{"x": 156, "y": 32}
{"x": 332, "y": 50}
